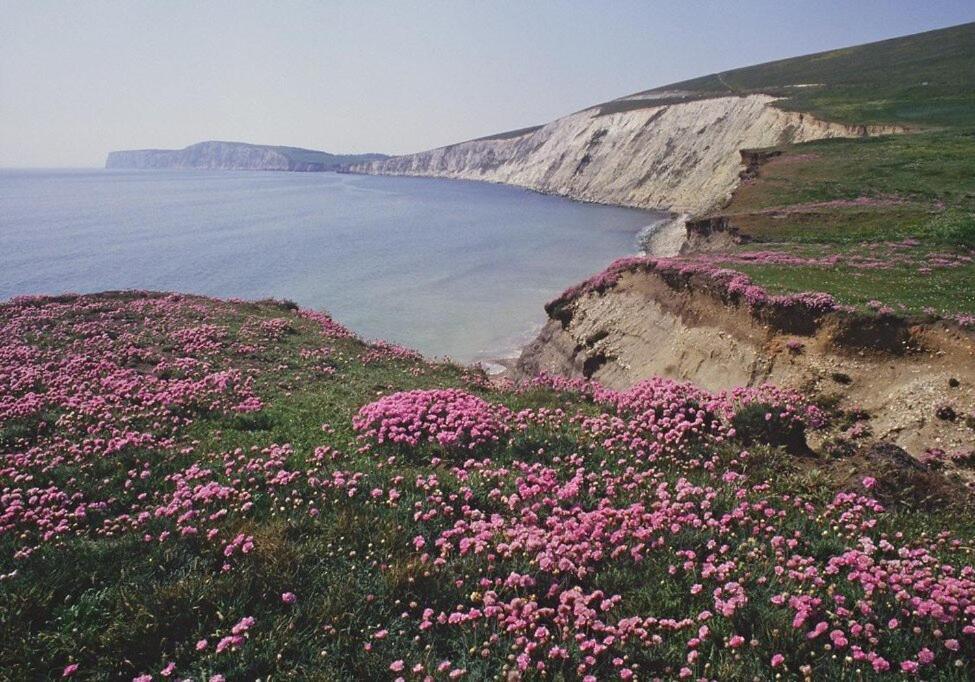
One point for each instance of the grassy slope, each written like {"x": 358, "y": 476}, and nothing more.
{"x": 843, "y": 193}
{"x": 924, "y": 79}
{"x": 118, "y": 605}
{"x": 946, "y": 292}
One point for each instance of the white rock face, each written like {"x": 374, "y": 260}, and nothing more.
{"x": 679, "y": 157}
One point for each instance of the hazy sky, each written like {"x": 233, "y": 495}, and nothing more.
{"x": 78, "y": 79}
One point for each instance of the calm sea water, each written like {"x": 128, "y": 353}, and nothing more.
{"x": 448, "y": 267}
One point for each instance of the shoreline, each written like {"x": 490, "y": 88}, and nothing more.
{"x": 661, "y": 238}
{"x": 595, "y": 202}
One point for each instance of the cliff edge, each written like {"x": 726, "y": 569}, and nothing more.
{"x": 666, "y": 317}
{"x": 679, "y": 156}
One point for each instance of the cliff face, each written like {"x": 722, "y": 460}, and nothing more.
{"x": 236, "y": 156}
{"x": 681, "y": 156}
{"x": 643, "y": 327}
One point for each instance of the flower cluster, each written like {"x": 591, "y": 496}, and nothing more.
{"x": 450, "y": 418}
{"x": 727, "y": 283}
{"x": 379, "y": 351}
{"x": 786, "y": 407}
{"x": 724, "y": 555}
{"x": 571, "y": 531}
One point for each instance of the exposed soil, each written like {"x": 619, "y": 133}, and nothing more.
{"x": 899, "y": 374}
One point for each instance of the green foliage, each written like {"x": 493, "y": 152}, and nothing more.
{"x": 120, "y": 605}
{"x": 760, "y": 423}
{"x": 945, "y": 290}
{"x": 953, "y": 227}
{"x": 922, "y": 79}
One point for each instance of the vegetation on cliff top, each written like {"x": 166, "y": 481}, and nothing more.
{"x": 923, "y": 80}
{"x": 209, "y": 490}
{"x": 232, "y": 155}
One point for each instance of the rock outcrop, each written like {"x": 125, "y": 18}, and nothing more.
{"x": 655, "y": 152}
{"x": 236, "y": 156}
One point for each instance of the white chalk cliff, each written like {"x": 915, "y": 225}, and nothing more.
{"x": 682, "y": 157}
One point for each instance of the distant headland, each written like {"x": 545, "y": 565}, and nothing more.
{"x": 216, "y": 155}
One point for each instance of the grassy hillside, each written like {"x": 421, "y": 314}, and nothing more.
{"x": 209, "y": 490}
{"x": 927, "y": 79}
{"x": 920, "y": 185}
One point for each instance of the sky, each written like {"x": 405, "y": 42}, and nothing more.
{"x": 79, "y": 79}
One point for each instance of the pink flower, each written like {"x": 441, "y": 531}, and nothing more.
{"x": 838, "y": 638}
{"x": 820, "y": 628}
{"x": 201, "y": 645}
{"x": 777, "y": 660}
{"x": 70, "y": 670}
{"x": 869, "y": 482}
{"x": 289, "y": 598}
{"x": 397, "y": 665}
{"x": 243, "y": 625}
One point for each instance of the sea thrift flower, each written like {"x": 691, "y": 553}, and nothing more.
{"x": 449, "y": 418}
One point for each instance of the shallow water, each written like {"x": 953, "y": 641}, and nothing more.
{"x": 448, "y": 267}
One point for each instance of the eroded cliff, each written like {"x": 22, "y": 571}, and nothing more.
{"x": 681, "y": 156}
{"x": 644, "y": 325}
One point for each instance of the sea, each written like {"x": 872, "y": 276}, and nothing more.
{"x": 452, "y": 268}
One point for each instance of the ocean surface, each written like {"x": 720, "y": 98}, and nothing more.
{"x": 451, "y": 268}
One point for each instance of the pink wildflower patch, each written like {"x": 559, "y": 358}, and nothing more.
{"x": 449, "y": 418}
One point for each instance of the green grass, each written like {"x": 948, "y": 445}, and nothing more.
{"x": 835, "y": 196}
{"x": 948, "y": 291}
{"x": 921, "y": 185}
{"x": 925, "y": 79}
{"x": 923, "y": 167}
{"x": 843, "y": 193}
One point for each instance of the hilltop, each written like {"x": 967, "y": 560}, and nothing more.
{"x": 841, "y": 267}
{"x": 924, "y": 79}
{"x": 236, "y": 156}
